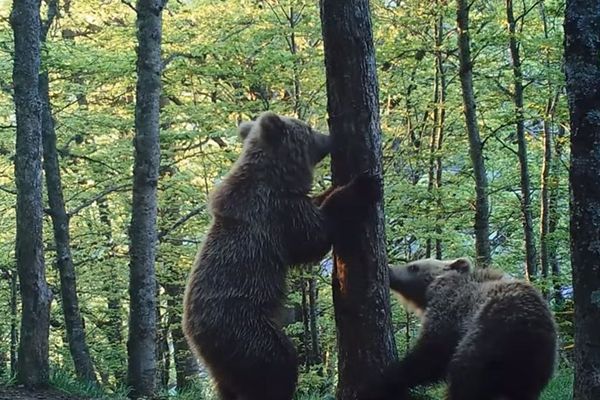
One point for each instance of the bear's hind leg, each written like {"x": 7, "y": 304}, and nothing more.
{"x": 267, "y": 369}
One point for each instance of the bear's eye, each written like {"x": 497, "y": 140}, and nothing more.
{"x": 413, "y": 268}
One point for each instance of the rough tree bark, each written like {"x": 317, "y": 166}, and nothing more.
{"x": 482, "y": 228}
{"x": 60, "y": 223}
{"x": 360, "y": 278}
{"x": 582, "y": 68}
{"x": 141, "y": 351}
{"x": 530, "y": 250}
{"x": 32, "y": 368}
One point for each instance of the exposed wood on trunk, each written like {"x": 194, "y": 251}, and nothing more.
{"x": 360, "y": 278}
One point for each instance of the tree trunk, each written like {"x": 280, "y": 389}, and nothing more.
{"x": 163, "y": 353}
{"x": 186, "y": 367}
{"x": 440, "y": 119}
{"x": 114, "y": 325}
{"x": 14, "y": 336}
{"x": 360, "y": 278}
{"x": 306, "y": 342}
{"x": 530, "y": 251}
{"x": 313, "y": 317}
{"x": 482, "y": 228}
{"x": 60, "y": 224}
{"x": 553, "y": 215}
{"x": 545, "y": 198}
{"x": 582, "y": 67}
{"x": 32, "y": 369}
{"x": 141, "y": 372}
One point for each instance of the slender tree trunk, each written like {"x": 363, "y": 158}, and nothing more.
{"x": 360, "y": 277}
{"x": 114, "y": 325}
{"x": 14, "y": 318}
{"x": 186, "y": 367}
{"x": 549, "y": 188}
{"x": 545, "y": 199}
{"x": 32, "y": 369}
{"x": 553, "y": 215}
{"x": 482, "y": 228}
{"x": 306, "y": 343}
{"x": 440, "y": 112}
{"x": 550, "y": 183}
{"x": 313, "y": 316}
{"x": 141, "y": 372}
{"x": 163, "y": 353}
{"x": 582, "y": 67}
{"x": 530, "y": 250}
{"x": 60, "y": 224}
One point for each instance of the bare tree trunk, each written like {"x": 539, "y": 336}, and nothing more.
{"x": 306, "y": 342}
{"x": 313, "y": 316}
{"x": 440, "y": 119}
{"x": 550, "y": 183}
{"x": 163, "y": 353}
{"x": 582, "y": 67}
{"x": 482, "y": 208}
{"x": 60, "y": 223}
{"x": 545, "y": 199}
{"x": 360, "y": 277}
{"x": 113, "y": 330}
{"x": 14, "y": 335}
{"x": 530, "y": 250}
{"x": 141, "y": 372}
{"x": 32, "y": 369}
{"x": 553, "y": 215}
{"x": 186, "y": 367}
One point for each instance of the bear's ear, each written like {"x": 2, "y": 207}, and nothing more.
{"x": 244, "y": 129}
{"x": 272, "y": 127}
{"x": 459, "y": 265}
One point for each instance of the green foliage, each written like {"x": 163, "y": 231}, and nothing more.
{"x": 225, "y": 61}
{"x": 561, "y": 387}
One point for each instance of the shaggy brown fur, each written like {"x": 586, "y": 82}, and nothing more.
{"x": 490, "y": 336}
{"x": 263, "y": 222}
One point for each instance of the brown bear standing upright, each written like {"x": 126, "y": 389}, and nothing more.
{"x": 492, "y": 337}
{"x": 263, "y": 222}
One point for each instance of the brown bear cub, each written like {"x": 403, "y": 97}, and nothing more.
{"x": 263, "y": 222}
{"x": 490, "y": 336}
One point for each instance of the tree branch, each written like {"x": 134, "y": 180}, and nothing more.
{"x": 180, "y": 221}
{"x": 99, "y": 196}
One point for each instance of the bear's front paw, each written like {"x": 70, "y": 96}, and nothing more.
{"x": 367, "y": 188}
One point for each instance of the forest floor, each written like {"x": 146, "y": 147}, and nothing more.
{"x": 15, "y": 393}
